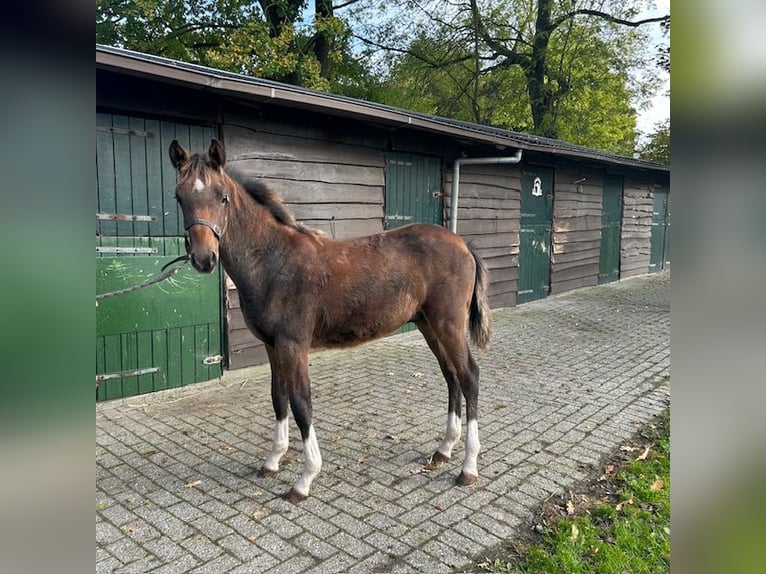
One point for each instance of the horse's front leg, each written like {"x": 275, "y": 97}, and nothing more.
{"x": 281, "y": 433}
{"x": 294, "y": 362}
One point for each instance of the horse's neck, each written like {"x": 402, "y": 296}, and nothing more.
{"x": 251, "y": 241}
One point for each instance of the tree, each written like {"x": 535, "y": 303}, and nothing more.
{"x": 268, "y": 38}
{"x": 657, "y": 146}
{"x": 540, "y": 40}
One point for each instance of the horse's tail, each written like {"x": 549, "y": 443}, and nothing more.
{"x": 480, "y": 320}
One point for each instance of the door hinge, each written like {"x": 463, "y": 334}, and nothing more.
{"x": 212, "y": 360}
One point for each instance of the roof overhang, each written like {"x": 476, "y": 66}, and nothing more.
{"x": 256, "y": 89}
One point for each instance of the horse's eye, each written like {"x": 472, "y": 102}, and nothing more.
{"x": 225, "y": 199}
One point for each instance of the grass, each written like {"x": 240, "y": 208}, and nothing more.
{"x": 615, "y": 524}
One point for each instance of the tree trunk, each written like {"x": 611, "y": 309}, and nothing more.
{"x": 541, "y": 93}
{"x": 322, "y": 41}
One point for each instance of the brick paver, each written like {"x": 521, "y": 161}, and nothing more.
{"x": 566, "y": 380}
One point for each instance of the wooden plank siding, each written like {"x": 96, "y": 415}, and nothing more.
{"x": 488, "y": 219}
{"x": 636, "y": 235}
{"x": 328, "y": 182}
{"x": 576, "y": 238}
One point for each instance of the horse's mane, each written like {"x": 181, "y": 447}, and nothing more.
{"x": 268, "y": 198}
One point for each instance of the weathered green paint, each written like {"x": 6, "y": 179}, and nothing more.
{"x": 413, "y": 193}
{"x": 174, "y": 325}
{"x": 535, "y": 234}
{"x": 659, "y": 258}
{"x": 611, "y": 219}
{"x": 413, "y": 190}
{"x": 134, "y": 174}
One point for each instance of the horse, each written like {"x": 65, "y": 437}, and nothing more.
{"x": 301, "y": 290}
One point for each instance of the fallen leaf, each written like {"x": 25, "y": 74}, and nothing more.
{"x": 609, "y": 469}
{"x": 418, "y": 375}
{"x": 575, "y": 532}
{"x": 252, "y": 538}
{"x": 192, "y": 484}
{"x": 225, "y": 447}
{"x": 644, "y": 454}
{"x": 361, "y": 460}
{"x": 623, "y": 503}
{"x": 258, "y": 514}
{"x": 628, "y": 448}
{"x": 658, "y": 484}
{"x": 570, "y": 507}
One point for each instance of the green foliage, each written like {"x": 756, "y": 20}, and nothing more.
{"x": 233, "y": 35}
{"x": 657, "y": 147}
{"x": 449, "y": 69}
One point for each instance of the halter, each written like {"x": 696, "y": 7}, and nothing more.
{"x": 209, "y": 224}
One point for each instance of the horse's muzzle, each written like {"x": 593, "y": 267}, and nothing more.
{"x": 204, "y": 263}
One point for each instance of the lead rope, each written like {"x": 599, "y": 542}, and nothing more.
{"x": 159, "y": 278}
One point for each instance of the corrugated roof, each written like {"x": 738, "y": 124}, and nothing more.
{"x": 160, "y": 68}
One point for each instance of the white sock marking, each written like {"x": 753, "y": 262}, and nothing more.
{"x": 312, "y": 464}
{"x": 451, "y": 435}
{"x": 472, "y": 447}
{"x": 280, "y": 440}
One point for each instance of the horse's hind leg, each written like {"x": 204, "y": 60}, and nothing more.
{"x": 454, "y": 423}
{"x": 453, "y": 347}
{"x": 469, "y": 384}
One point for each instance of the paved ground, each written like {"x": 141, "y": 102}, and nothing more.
{"x": 567, "y": 379}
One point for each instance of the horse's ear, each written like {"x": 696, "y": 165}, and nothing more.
{"x": 217, "y": 154}
{"x": 178, "y": 154}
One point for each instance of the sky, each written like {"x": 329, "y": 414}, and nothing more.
{"x": 659, "y": 109}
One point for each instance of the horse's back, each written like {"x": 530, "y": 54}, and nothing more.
{"x": 379, "y": 282}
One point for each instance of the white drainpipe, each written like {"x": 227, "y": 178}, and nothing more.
{"x": 516, "y": 158}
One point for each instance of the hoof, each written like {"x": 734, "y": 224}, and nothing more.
{"x": 438, "y": 459}
{"x": 295, "y": 496}
{"x": 266, "y": 473}
{"x": 464, "y": 479}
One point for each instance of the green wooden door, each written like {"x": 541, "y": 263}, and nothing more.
{"x": 413, "y": 190}
{"x": 169, "y": 334}
{"x": 535, "y": 233}
{"x": 413, "y": 193}
{"x": 611, "y": 217}
{"x": 659, "y": 258}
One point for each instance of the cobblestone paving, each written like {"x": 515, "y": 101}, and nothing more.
{"x": 566, "y": 380}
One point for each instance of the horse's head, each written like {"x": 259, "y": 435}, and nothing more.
{"x": 203, "y": 192}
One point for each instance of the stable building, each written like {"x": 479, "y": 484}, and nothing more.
{"x": 547, "y": 216}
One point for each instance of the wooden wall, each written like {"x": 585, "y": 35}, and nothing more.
{"x": 576, "y": 234}
{"x": 635, "y": 250}
{"x": 488, "y": 219}
{"x": 330, "y": 181}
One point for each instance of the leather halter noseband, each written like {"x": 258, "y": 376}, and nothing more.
{"x": 209, "y": 224}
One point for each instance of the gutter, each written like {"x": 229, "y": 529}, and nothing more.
{"x": 515, "y": 158}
